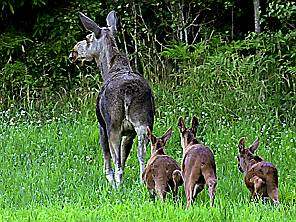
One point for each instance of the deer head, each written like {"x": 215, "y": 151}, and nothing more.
{"x": 246, "y": 156}
{"x": 94, "y": 43}
{"x": 158, "y": 143}
{"x": 187, "y": 134}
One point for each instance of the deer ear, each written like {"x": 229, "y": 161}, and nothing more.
{"x": 89, "y": 24}
{"x": 254, "y": 146}
{"x": 194, "y": 124}
{"x": 167, "y": 135}
{"x": 112, "y": 21}
{"x": 150, "y": 135}
{"x": 241, "y": 144}
{"x": 181, "y": 124}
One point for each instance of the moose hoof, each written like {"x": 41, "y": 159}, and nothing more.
{"x": 110, "y": 178}
{"x": 118, "y": 179}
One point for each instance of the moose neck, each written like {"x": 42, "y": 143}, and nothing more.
{"x": 110, "y": 61}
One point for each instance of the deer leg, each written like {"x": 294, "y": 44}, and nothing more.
{"x": 189, "y": 194}
{"x": 126, "y": 146}
{"x": 212, "y": 189}
{"x": 273, "y": 194}
{"x": 258, "y": 183}
{"x": 161, "y": 193}
{"x": 152, "y": 194}
{"x": 141, "y": 132}
{"x": 177, "y": 181}
{"x": 114, "y": 144}
{"x": 211, "y": 181}
{"x": 175, "y": 193}
{"x": 107, "y": 156}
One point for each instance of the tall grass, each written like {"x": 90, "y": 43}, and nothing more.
{"x": 52, "y": 169}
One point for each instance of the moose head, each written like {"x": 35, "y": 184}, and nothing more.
{"x": 94, "y": 43}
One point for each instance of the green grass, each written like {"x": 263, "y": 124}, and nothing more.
{"x": 52, "y": 169}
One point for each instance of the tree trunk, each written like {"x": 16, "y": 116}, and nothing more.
{"x": 257, "y": 15}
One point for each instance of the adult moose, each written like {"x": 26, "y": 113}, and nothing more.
{"x": 125, "y": 104}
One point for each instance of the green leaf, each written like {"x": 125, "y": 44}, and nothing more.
{"x": 11, "y": 8}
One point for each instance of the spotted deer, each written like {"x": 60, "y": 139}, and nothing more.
{"x": 261, "y": 178}
{"x": 159, "y": 175}
{"x": 198, "y": 164}
{"x": 125, "y": 104}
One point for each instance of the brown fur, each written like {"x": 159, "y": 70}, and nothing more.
{"x": 261, "y": 177}
{"x": 198, "y": 165}
{"x": 160, "y": 175}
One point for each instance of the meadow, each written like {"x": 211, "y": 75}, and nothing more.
{"x": 237, "y": 82}
{"x": 52, "y": 167}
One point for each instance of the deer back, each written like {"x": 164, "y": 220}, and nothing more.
{"x": 196, "y": 159}
{"x": 159, "y": 172}
{"x": 264, "y": 170}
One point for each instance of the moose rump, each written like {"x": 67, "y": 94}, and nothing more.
{"x": 125, "y": 108}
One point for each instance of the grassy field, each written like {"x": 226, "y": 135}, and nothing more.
{"x": 52, "y": 169}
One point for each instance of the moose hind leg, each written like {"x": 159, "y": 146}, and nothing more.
{"x": 114, "y": 144}
{"x": 126, "y": 146}
{"x": 107, "y": 156}
{"x": 141, "y": 132}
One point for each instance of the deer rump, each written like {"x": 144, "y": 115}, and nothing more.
{"x": 265, "y": 171}
{"x": 125, "y": 102}
{"x": 198, "y": 167}
{"x": 158, "y": 174}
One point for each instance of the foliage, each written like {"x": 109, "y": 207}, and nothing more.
{"x": 242, "y": 76}
{"x": 182, "y": 48}
{"x": 283, "y": 11}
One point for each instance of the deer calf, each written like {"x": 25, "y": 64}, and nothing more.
{"x": 198, "y": 165}
{"x": 261, "y": 177}
{"x": 159, "y": 175}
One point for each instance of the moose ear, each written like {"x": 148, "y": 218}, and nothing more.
{"x": 112, "y": 21}
{"x": 194, "y": 124}
{"x": 167, "y": 135}
{"x": 150, "y": 135}
{"x": 181, "y": 124}
{"x": 241, "y": 144}
{"x": 89, "y": 24}
{"x": 254, "y": 146}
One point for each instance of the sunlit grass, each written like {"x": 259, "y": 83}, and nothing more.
{"x": 52, "y": 169}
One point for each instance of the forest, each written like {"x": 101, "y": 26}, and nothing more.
{"x": 230, "y": 63}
